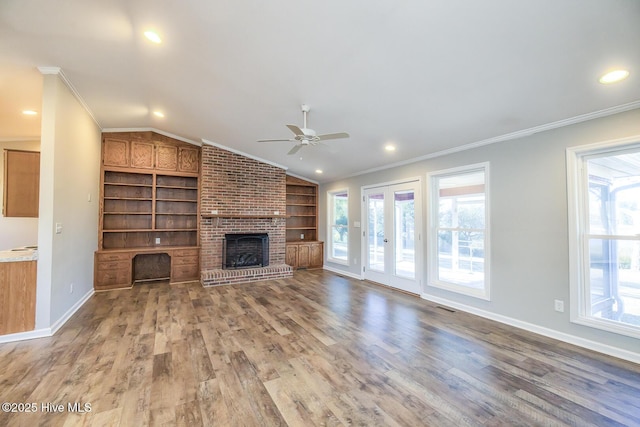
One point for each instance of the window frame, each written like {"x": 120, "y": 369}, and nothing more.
{"x": 331, "y": 225}
{"x": 578, "y": 220}
{"x": 433, "y": 226}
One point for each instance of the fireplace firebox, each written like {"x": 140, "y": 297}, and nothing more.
{"x": 245, "y": 250}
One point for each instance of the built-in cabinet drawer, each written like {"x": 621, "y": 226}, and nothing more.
{"x": 185, "y": 273}
{"x": 114, "y": 270}
{"x": 304, "y": 254}
{"x": 185, "y": 265}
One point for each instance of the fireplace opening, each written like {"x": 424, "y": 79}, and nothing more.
{"x": 245, "y": 250}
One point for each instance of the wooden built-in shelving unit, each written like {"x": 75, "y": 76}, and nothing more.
{"x": 303, "y": 250}
{"x": 148, "y": 207}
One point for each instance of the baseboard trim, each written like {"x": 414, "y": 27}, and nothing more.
{"x": 341, "y": 272}
{"x": 550, "y": 333}
{"x": 47, "y": 332}
{"x": 22, "y": 336}
{"x": 66, "y": 316}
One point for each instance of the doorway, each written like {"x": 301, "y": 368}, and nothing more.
{"x": 393, "y": 235}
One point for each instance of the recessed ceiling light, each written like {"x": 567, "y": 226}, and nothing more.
{"x": 318, "y": 170}
{"x": 390, "y": 147}
{"x": 153, "y": 36}
{"x": 158, "y": 114}
{"x": 29, "y": 113}
{"x": 614, "y": 76}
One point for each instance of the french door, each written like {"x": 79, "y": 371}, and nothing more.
{"x": 392, "y": 236}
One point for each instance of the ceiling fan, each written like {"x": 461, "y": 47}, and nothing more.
{"x": 305, "y": 136}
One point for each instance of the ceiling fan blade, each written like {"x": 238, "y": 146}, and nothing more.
{"x": 295, "y": 149}
{"x": 275, "y": 140}
{"x": 333, "y": 136}
{"x": 296, "y": 130}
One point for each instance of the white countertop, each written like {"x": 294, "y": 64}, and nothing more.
{"x": 19, "y": 254}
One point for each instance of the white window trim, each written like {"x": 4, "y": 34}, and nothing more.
{"x": 432, "y": 237}
{"x": 330, "y": 194}
{"x": 577, "y": 206}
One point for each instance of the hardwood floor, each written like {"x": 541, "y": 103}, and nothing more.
{"x": 317, "y": 349}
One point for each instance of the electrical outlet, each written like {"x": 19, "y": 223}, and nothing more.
{"x": 58, "y": 227}
{"x": 157, "y": 240}
{"x": 559, "y": 305}
{"x": 71, "y": 288}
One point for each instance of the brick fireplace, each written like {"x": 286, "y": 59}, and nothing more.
{"x": 240, "y": 195}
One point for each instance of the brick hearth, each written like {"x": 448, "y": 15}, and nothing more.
{"x": 240, "y": 195}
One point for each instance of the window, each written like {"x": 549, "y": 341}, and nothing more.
{"x": 604, "y": 190}
{"x": 338, "y": 202}
{"x": 458, "y": 223}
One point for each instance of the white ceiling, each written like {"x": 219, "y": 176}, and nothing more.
{"x": 426, "y": 75}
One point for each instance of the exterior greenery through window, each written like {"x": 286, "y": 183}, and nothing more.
{"x": 459, "y": 230}
{"x": 338, "y": 226}
{"x": 606, "y": 249}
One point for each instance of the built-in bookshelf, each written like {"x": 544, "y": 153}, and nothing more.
{"x": 146, "y": 210}
{"x": 302, "y": 210}
{"x": 148, "y": 227}
{"x": 303, "y": 250}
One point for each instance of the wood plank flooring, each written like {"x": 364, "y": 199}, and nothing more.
{"x": 314, "y": 350}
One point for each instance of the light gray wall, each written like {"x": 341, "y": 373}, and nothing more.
{"x": 69, "y": 174}
{"x": 529, "y": 237}
{"x": 16, "y": 232}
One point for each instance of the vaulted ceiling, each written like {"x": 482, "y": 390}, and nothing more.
{"x": 426, "y": 76}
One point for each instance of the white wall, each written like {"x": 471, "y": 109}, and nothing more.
{"x": 69, "y": 175}
{"x": 529, "y": 237}
{"x": 16, "y": 232}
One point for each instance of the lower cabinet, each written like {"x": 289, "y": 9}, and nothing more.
{"x": 185, "y": 265}
{"x": 304, "y": 254}
{"x": 114, "y": 269}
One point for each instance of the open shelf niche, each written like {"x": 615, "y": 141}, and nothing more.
{"x": 303, "y": 249}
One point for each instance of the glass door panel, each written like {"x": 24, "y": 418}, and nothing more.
{"x": 404, "y": 234}
{"x": 393, "y": 236}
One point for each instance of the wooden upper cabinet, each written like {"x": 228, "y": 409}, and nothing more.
{"x": 21, "y": 183}
{"x": 167, "y": 157}
{"x": 115, "y": 152}
{"x": 149, "y": 150}
{"x": 188, "y": 159}
{"x": 141, "y": 155}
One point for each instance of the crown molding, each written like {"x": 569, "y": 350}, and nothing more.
{"x": 21, "y": 139}
{"x": 509, "y": 136}
{"x": 58, "y": 71}
{"x": 148, "y": 129}
{"x": 303, "y": 177}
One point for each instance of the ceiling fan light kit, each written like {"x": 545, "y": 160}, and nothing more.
{"x": 305, "y": 136}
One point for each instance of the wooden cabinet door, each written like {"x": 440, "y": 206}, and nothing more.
{"x": 115, "y": 152}
{"x": 188, "y": 159}
{"x": 166, "y": 157}
{"x": 141, "y": 155}
{"x": 304, "y": 256}
{"x": 291, "y": 256}
{"x": 17, "y": 296}
{"x": 316, "y": 257}
{"x": 21, "y": 183}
